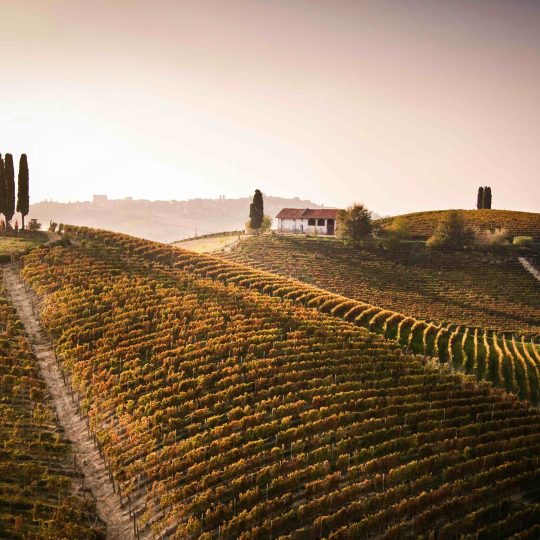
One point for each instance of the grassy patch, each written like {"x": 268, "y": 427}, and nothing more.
{"x": 208, "y": 245}
{"x": 18, "y": 245}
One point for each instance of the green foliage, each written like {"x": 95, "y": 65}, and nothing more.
{"x": 9, "y": 177}
{"x": 522, "y": 241}
{"x": 400, "y": 228}
{"x": 34, "y": 225}
{"x": 480, "y": 198}
{"x": 3, "y": 193}
{"x": 256, "y": 211}
{"x": 486, "y": 201}
{"x": 23, "y": 196}
{"x": 266, "y": 223}
{"x": 393, "y": 234}
{"x": 70, "y": 521}
{"x": 451, "y": 233}
{"x": 354, "y": 223}
{"x": 483, "y": 200}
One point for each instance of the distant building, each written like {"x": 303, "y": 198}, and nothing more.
{"x": 99, "y": 200}
{"x": 306, "y": 220}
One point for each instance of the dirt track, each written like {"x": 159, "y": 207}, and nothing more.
{"x": 96, "y": 477}
{"x": 529, "y": 267}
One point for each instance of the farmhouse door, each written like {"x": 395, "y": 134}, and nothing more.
{"x": 330, "y": 226}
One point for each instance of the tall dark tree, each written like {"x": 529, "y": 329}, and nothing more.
{"x": 480, "y": 198}
{"x": 256, "y": 211}
{"x": 23, "y": 196}
{"x": 10, "y": 188}
{"x": 487, "y": 197}
{"x": 3, "y": 195}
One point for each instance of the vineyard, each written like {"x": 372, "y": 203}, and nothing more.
{"x": 487, "y": 290}
{"x": 37, "y": 473}
{"x": 422, "y": 224}
{"x": 233, "y": 403}
{"x": 510, "y": 360}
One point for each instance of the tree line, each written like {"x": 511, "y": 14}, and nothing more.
{"x": 7, "y": 189}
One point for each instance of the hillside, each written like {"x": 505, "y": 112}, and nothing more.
{"x": 464, "y": 288}
{"x": 165, "y": 221}
{"x": 422, "y": 224}
{"x": 226, "y": 410}
{"x": 38, "y": 469}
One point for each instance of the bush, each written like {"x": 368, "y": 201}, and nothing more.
{"x": 451, "y": 233}
{"x": 498, "y": 237}
{"x": 393, "y": 235}
{"x": 266, "y": 224}
{"x": 522, "y": 241}
{"x": 399, "y": 227}
{"x": 34, "y": 225}
{"x": 354, "y": 224}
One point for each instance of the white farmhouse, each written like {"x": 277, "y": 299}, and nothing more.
{"x": 306, "y": 220}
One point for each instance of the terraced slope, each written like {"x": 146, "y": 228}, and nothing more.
{"x": 37, "y": 477}
{"x": 470, "y": 289}
{"x": 226, "y": 412}
{"x": 510, "y": 360}
{"x": 422, "y": 224}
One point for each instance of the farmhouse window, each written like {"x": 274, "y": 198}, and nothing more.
{"x": 320, "y": 222}
{"x": 311, "y": 221}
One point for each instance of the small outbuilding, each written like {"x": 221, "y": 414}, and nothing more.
{"x": 307, "y": 220}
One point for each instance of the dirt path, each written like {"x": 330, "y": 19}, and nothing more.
{"x": 96, "y": 477}
{"x": 529, "y": 267}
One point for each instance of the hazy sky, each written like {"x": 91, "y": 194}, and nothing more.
{"x": 404, "y": 105}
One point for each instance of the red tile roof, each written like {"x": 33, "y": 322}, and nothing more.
{"x": 303, "y": 213}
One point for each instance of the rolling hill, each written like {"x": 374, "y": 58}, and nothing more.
{"x": 227, "y": 407}
{"x": 422, "y": 224}
{"x": 491, "y": 290}
{"x": 438, "y": 310}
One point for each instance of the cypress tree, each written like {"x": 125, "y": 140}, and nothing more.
{"x": 480, "y": 198}
{"x": 487, "y": 197}
{"x": 3, "y": 196}
{"x": 23, "y": 196}
{"x": 10, "y": 189}
{"x": 256, "y": 211}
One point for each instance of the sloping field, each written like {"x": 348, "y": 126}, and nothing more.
{"x": 37, "y": 477}
{"x": 422, "y": 224}
{"x": 510, "y": 360}
{"x": 464, "y": 288}
{"x": 227, "y": 412}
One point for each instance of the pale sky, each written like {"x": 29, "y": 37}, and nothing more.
{"x": 404, "y": 105}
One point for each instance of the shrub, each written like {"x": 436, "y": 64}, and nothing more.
{"x": 498, "y": 237}
{"x": 354, "y": 224}
{"x": 451, "y": 233}
{"x": 522, "y": 240}
{"x": 394, "y": 233}
{"x": 34, "y": 225}
{"x": 399, "y": 227}
{"x": 266, "y": 224}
